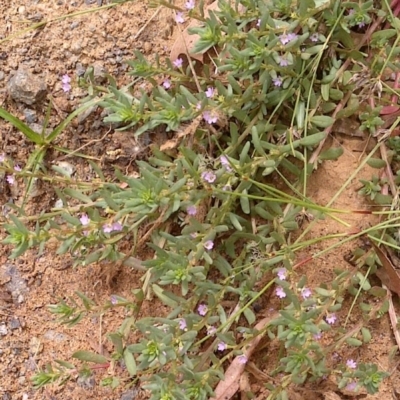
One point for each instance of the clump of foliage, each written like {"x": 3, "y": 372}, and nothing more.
{"x": 278, "y": 79}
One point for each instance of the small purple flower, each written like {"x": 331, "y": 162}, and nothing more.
{"x": 351, "y": 387}
{"x": 114, "y": 300}
{"x": 178, "y": 63}
{"x": 282, "y": 273}
{"x": 193, "y": 235}
{"x": 242, "y": 359}
{"x": 84, "y": 219}
{"x": 361, "y": 24}
{"x": 317, "y": 336}
{"x": 167, "y": 83}
{"x": 66, "y": 80}
{"x": 189, "y": 5}
{"x": 10, "y": 179}
{"x": 258, "y": 23}
{"x": 306, "y": 293}
{"x": 117, "y": 226}
{"x": 107, "y": 228}
{"x": 351, "y": 364}
{"x": 222, "y": 346}
{"x": 182, "y": 324}
{"x": 280, "y": 292}
{"x": 17, "y": 168}
{"x": 2, "y": 158}
{"x": 191, "y": 210}
{"x": 208, "y": 176}
{"x": 210, "y": 117}
{"x": 208, "y": 245}
{"x": 210, "y": 92}
{"x": 285, "y": 38}
{"x": 331, "y": 319}
{"x": 314, "y": 37}
{"x": 202, "y": 309}
{"x": 198, "y": 106}
{"x": 283, "y": 62}
{"x": 225, "y": 162}
{"x": 211, "y": 330}
{"x": 179, "y": 18}
{"x": 277, "y": 81}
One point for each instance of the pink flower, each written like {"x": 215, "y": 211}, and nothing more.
{"x": 2, "y": 158}
{"x": 351, "y": 387}
{"x": 306, "y": 293}
{"x": 178, "y": 63}
{"x": 210, "y": 92}
{"x": 208, "y": 245}
{"x": 225, "y": 162}
{"x": 286, "y": 38}
{"x": 280, "y": 292}
{"x": 283, "y": 62}
{"x": 10, "y": 179}
{"x": 282, "y": 273}
{"x": 179, "y": 18}
{"x": 258, "y": 23}
{"x": 202, "y": 309}
{"x": 211, "y": 330}
{"x": 66, "y": 80}
{"x": 189, "y": 5}
{"x": 167, "y": 83}
{"x": 107, "y": 228}
{"x": 17, "y": 168}
{"x": 208, "y": 176}
{"x": 210, "y": 117}
{"x": 182, "y": 324}
{"x": 114, "y": 300}
{"x": 331, "y": 319}
{"x": 116, "y": 226}
{"x": 84, "y": 219}
{"x": 191, "y": 210}
{"x": 222, "y": 346}
{"x": 314, "y": 37}
{"x": 351, "y": 364}
{"x": 277, "y": 81}
{"x": 242, "y": 359}
{"x": 317, "y": 336}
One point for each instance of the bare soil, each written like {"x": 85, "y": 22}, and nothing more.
{"x": 29, "y": 335}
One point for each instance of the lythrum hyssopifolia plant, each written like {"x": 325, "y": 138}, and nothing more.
{"x": 218, "y": 202}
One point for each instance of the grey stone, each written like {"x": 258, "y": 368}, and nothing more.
{"x": 16, "y": 285}
{"x": 3, "y": 330}
{"x": 74, "y": 25}
{"x": 129, "y": 394}
{"x": 30, "y": 116}
{"x": 14, "y": 323}
{"x": 55, "y": 336}
{"x": 86, "y": 382}
{"x": 80, "y": 69}
{"x": 26, "y": 88}
{"x": 99, "y": 73}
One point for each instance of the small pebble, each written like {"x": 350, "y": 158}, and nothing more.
{"x": 30, "y": 116}
{"x": 3, "y": 330}
{"x": 14, "y": 323}
{"x": 74, "y": 25}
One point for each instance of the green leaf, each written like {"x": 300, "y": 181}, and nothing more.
{"x": 77, "y": 195}
{"x": 332, "y": 153}
{"x": 312, "y": 140}
{"x": 88, "y": 356}
{"x": 322, "y": 121}
{"x": 244, "y": 202}
{"x": 354, "y": 342}
{"x": 377, "y": 163}
{"x": 250, "y": 316}
{"x": 130, "y": 362}
{"x": 164, "y": 296}
{"x": 366, "y": 334}
{"x": 18, "y": 124}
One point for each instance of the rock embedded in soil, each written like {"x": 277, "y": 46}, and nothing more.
{"x": 14, "y": 323}
{"x": 130, "y": 394}
{"x": 26, "y": 87}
